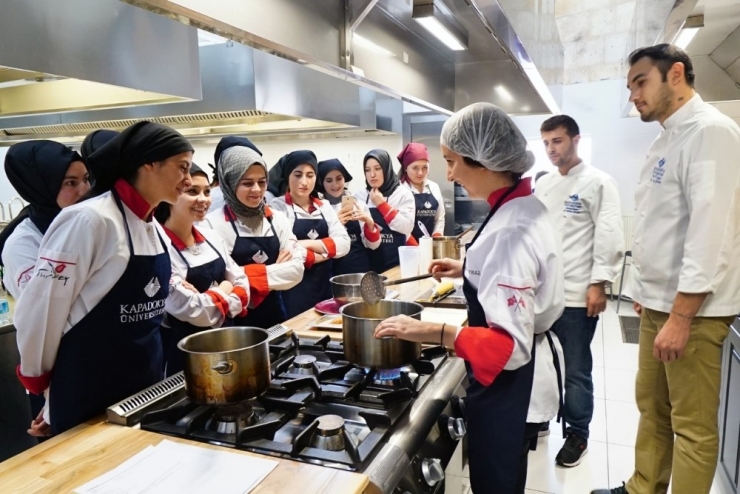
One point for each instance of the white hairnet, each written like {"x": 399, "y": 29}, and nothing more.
{"x": 484, "y": 133}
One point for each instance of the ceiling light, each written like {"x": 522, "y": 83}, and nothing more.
{"x": 369, "y": 45}
{"x": 688, "y": 31}
{"x": 442, "y": 25}
{"x": 503, "y": 93}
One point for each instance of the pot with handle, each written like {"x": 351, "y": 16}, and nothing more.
{"x": 345, "y": 288}
{"x": 359, "y": 321}
{"x": 446, "y": 247}
{"x": 226, "y": 365}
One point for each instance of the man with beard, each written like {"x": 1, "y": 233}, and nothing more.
{"x": 686, "y": 283}
{"x": 583, "y": 204}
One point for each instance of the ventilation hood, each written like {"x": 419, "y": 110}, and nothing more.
{"x": 62, "y": 56}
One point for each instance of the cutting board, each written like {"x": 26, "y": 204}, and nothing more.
{"x": 453, "y": 317}
{"x": 455, "y": 300}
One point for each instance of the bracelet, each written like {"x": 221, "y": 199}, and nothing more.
{"x": 682, "y": 316}
{"x": 442, "y": 335}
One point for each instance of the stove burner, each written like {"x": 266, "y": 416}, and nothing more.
{"x": 229, "y": 419}
{"x": 304, "y": 364}
{"x": 329, "y": 433}
{"x": 388, "y": 377}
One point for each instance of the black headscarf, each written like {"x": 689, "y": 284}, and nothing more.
{"x": 276, "y": 184}
{"x": 196, "y": 170}
{"x": 390, "y": 179}
{"x": 36, "y": 169}
{"x": 297, "y": 158}
{"x": 325, "y": 167}
{"x": 142, "y": 143}
{"x": 96, "y": 140}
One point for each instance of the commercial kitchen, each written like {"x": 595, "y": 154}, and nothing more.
{"x": 324, "y": 404}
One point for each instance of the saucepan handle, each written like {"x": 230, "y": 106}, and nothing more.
{"x": 224, "y": 367}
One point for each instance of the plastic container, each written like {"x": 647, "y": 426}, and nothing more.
{"x": 408, "y": 258}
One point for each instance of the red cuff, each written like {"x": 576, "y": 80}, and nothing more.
{"x": 387, "y": 211}
{"x": 310, "y": 259}
{"x": 36, "y": 385}
{"x": 411, "y": 241}
{"x": 487, "y": 349}
{"x": 372, "y": 235}
{"x": 437, "y": 235}
{"x": 240, "y": 292}
{"x": 331, "y": 247}
{"x": 259, "y": 288}
{"x": 219, "y": 301}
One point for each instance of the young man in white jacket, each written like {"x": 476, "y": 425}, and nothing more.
{"x": 583, "y": 204}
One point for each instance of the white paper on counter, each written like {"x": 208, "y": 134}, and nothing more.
{"x": 453, "y": 317}
{"x": 174, "y": 467}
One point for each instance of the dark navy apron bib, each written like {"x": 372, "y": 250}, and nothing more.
{"x": 426, "y": 210}
{"x": 315, "y": 286}
{"x": 246, "y": 251}
{"x": 116, "y": 349}
{"x": 202, "y": 277}
{"x": 496, "y": 414}
{"x": 357, "y": 259}
{"x": 385, "y": 256}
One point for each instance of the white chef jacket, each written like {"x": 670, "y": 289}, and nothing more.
{"x": 20, "y": 254}
{"x": 282, "y": 276}
{"x": 90, "y": 240}
{"x": 337, "y": 243}
{"x": 217, "y": 199}
{"x": 370, "y": 244}
{"x": 204, "y": 309}
{"x": 687, "y": 219}
{"x": 402, "y": 202}
{"x": 430, "y": 187}
{"x": 585, "y": 209}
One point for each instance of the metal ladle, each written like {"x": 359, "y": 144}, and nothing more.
{"x": 372, "y": 286}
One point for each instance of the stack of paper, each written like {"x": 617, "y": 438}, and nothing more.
{"x": 182, "y": 468}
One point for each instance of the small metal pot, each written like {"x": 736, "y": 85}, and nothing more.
{"x": 226, "y": 365}
{"x": 345, "y": 288}
{"x": 445, "y": 247}
{"x": 359, "y": 321}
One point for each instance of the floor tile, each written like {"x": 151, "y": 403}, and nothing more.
{"x": 598, "y": 430}
{"x": 597, "y": 375}
{"x": 621, "y": 356}
{"x": 619, "y": 385}
{"x": 621, "y": 464}
{"x": 597, "y": 354}
{"x": 621, "y": 422}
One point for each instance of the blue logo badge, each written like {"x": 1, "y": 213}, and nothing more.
{"x": 574, "y": 197}
{"x": 661, "y": 162}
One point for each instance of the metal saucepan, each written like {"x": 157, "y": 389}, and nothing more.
{"x": 359, "y": 321}
{"x": 345, "y": 288}
{"x": 445, "y": 247}
{"x": 226, "y": 365}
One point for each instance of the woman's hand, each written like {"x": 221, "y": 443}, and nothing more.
{"x": 376, "y": 197}
{"x": 319, "y": 258}
{"x": 39, "y": 427}
{"x": 226, "y": 287}
{"x": 409, "y": 329}
{"x": 346, "y": 215}
{"x": 365, "y": 216}
{"x": 284, "y": 256}
{"x": 446, "y": 268}
{"x": 188, "y": 286}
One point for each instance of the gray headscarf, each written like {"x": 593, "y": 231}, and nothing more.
{"x": 233, "y": 164}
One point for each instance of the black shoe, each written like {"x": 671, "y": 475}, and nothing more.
{"x": 617, "y": 490}
{"x": 545, "y": 430}
{"x": 573, "y": 450}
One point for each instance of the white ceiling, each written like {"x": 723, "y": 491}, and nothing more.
{"x": 721, "y": 18}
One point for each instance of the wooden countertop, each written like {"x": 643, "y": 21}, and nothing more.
{"x": 79, "y": 455}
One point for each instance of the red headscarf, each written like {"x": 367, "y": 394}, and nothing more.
{"x": 414, "y": 151}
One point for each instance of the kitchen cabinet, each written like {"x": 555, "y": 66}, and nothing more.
{"x": 729, "y": 424}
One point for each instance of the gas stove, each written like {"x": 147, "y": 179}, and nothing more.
{"x": 323, "y": 410}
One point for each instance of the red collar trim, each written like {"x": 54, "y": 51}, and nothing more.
{"x": 523, "y": 189}
{"x": 230, "y": 216}
{"x": 178, "y": 243}
{"x": 132, "y": 199}
{"x": 315, "y": 202}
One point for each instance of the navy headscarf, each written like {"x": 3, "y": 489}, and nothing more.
{"x": 390, "y": 179}
{"x": 325, "y": 167}
{"x": 96, "y": 140}
{"x": 293, "y": 160}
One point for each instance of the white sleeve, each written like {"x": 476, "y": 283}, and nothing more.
{"x": 402, "y": 200}
{"x": 337, "y": 231}
{"x": 64, "y": 266}
{"x": 606, "y": 213}
{"x": 198, "y": 309}
{"x": 439, "y": 217}
{"x": 288, "y": 274}
{"x": 236, "y": 276}
{"x": 19, "y": 258}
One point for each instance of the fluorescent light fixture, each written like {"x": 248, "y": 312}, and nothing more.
{"x": 541, "y": 87}
{"x": 369, "y": 45}
{"x": 503, "y": 93}
{"x": 688, "y": 31}
{"x": 441, "y": 25}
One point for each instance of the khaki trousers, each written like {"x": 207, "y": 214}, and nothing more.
{"x": 678, "y": 398}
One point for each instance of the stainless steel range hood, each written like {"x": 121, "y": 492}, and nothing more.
{"x": 73, "y": 54}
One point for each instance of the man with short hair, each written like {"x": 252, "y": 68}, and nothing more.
{"x": 686, "y": 282}
{"x": 583, "y": 203}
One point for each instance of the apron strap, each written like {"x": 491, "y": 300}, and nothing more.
{"x": 558, "y": 373}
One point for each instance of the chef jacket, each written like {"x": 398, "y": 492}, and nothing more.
{"x": 399, "y": 210}
{"x": 687, "y": 221}
{"x": 336, "y": 244}
{"x": 263, "y": 278}
{"x": 20, "y": 255}
{"x": 81, "y": 258}
{"x": 516, "y": 268}
{"x": 430, "y": 187}
{"x": 217, "y": 199}
{"x": 210, "y": 308}
{"x": 585, "y": 209}
{"x": 370, "y": 238}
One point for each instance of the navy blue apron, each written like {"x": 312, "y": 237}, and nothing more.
{"x": 496, "y": 414}
{"x": 385, "y": 256}
{"x": 315, "y": 286}
{"x": 202, "y": 277}
{"x": 250, "y": 250}
{"x": 357, "y": 259}
{"x": 116, "y": 349}
{"x": 426, "y": 210}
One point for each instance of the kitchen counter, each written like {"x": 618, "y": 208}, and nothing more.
{"x": 91, "y": 449}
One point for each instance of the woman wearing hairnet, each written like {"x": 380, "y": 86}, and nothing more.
{"x": 513, "y": 282}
